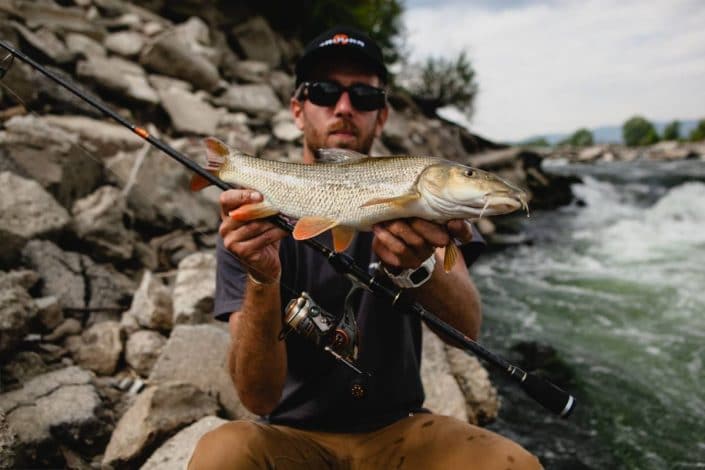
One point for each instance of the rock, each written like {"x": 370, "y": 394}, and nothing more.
{"x": 157, "y": 412}
{"x": 258, "y": 41}
{"x": 119, "y": 76}
{"x": 176, "y": 452}
{"x": 125, "y": 43}
{"x": 52, "y": 157}
{"x": 194, "y": 289}
{"x": 100, "y": 348}
{"x": 24, "y": 278}
{"x": 474, "y": 381}
{"x": 184, "y": 358}
{"x": 100, "y": 137}
{"x": 8, "y": 442}
{"x": 443, "y": 395}
{"x": 164, "y": 205}
{"x": 189, "y": 112}
{"x": 173, "y": 247}
{"x": 47, "y": 42}
{"x": 183, "y": 52}
{"x": 27, "y": 211}
{"x": 151, "y": 304}
{"x": 20, "y": 368}
{"x": 99, "y": 220}
{"x": 68, "y": 327}
{"x": 17, "y": 310}
{"x": 84, "y": 46}
{"x": 284, "y": 128}
{"x": 256, "y": 98}
{"x": 251, "y": 71}
{"x": 283, "y": 85}
{"x": 142, "y": 350}
{"x": 109, "y": 289}
{"x": 56, "y": 18}
{"x": 57, "y": 408}
{"x": 49, "y": 312}
{"x": 589, "y": 154}
{"x": 395, "y": 134}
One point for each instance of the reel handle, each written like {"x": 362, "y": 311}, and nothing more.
{"x": 550, "y": 396}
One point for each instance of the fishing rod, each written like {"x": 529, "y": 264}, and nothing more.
{"x": 541, "y": 390}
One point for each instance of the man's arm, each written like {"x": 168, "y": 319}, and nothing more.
{"x": 452, "y": 296}
{"x": 257, "y": 360}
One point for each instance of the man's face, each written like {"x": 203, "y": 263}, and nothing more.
{"x": 340, "y": 125}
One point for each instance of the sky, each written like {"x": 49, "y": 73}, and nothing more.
{"x": 555, "y": 66}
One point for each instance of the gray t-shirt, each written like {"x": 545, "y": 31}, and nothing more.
{"x": 317, "y": 393}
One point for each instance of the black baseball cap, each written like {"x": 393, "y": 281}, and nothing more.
{"x": 341, "y": 41}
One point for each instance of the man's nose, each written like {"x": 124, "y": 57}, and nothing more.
{"x": 343, "y": 105}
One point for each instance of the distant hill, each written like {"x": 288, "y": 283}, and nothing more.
{"x": 613, "y": 134}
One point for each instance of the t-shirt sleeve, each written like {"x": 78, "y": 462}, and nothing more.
{"x": 230, "y": 278}
{"x": 472, "y": 250}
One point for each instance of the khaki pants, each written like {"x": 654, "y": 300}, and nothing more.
{"x": 422, "y": 441}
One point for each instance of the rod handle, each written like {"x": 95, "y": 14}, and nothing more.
{"x": 548, "y": 395}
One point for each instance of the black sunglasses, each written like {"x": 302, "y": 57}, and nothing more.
{"x": 326, "y": 93}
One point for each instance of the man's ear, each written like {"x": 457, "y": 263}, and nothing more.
{"x": 381, "y": 119}
{"x": 297, "y": 109}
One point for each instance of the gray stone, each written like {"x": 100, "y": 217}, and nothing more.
{"x": 20, "y": 368}
{"x": 100, "y": 348}
{"x": 157, "y": 412}
{"x": 68, "y": 327}
{"x": 16, "y": 312}
{"x": 98, "y": 220}
{"x": 286, "y": 131}
{"x": 185, "y": 358}
{"x": 118, "y": 75}
{"x": 443, "y": 395}
{"x": 142, "y": 350}
{"x": 84, "y": 46}
{"x": 25, "y": 278}
{"x": 176, "y": 452}
{"x": 194, "y": 288}
{"x": 151, "y": 304}
{"x": 52, "y": 157}
{"x": 101, "y": 137}
{"x": 49, "y": 312}
{"x": 47, "y": 42}
{"x": 125, "y": 43}
{"x": 27, "y": 211}
{"x": 256, "y": 99}
{"x": 189, "y": 112}
{"x": 109, "y": 288}
{"x": 8, "y": 442}
{"x": 258, "y": 41}
{"x": 183, "y": 52}
{"x": 251, "y": 71}
{"x": 56, "y": 18}
{"x": 474, "y": 381}
{"x": 282, "y": 84}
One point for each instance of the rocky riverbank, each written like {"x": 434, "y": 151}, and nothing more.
{"x": 108, "y": 356}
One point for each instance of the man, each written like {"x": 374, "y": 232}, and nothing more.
{"x": 317, "y": 413}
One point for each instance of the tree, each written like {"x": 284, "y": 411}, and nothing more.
{"x": 580, "y": 138}
{"x": 699, "y": 132}
{"x": 639, "y": 131}
{"x": 672, "y": 131}
{"x": 536, "y": 142}
{"x": 443, "y": 82}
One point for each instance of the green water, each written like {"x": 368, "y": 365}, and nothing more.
{"x": 617, "y": 287}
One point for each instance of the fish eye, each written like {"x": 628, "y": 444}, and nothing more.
{"x": 469, "y": 172}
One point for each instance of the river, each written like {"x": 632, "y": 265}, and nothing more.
{"x": 616, "y": 285}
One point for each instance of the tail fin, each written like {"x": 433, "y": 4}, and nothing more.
{"x": 216, "y": 153}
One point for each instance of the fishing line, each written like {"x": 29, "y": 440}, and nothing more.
{"x": 543, "y": 391}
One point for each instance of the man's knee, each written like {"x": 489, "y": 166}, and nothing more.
{"x": 237, "y": 444}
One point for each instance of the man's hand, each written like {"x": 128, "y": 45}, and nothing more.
{"x": 256, "y": 242}
{"x": 406, "y": 243}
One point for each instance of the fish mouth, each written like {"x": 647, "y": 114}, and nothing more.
{"x": 502, "y": 203}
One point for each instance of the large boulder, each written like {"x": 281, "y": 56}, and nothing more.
{"x": 142, "y": 350}
{"x": 157, "y": 412}
{"x": 60, "y": 408}
{"x": 99, "y": 347}
{"x": 17, "y": 310}
{"x": 194, "y": 288}
{"x": 254, "y": 98}
{"x": 189, "y": 112}
{"x": 258, "y": 41}
{"x": 103, "y": 138}
{"x": 27, "y": 211}
{"x": 474, "y": 381}
{"x": 151, "y": 304}
{"x": 198, "y": 355}
{"x": 119, "y": 76}
{"x": 176, "y": 452}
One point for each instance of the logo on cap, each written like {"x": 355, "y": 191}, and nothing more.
{"x": 343, "y": 40}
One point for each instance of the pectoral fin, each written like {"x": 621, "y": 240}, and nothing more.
{"x": 342, "y": 237}
{"x": 450, "y": 256}
{"x": 396, "y": 200}
{"x": 258, "y": 210}
{"x": 309, "y": 227}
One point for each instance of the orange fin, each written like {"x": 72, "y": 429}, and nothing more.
{"x": 258, "y": 210}
{"x": 342, "y": 237}
{"x": 450, "y": 256}
{"x": 396, "y": 200}
{"x": 198, "y": 182}
{"x": 309, "y": 227}
{"x": 216, "y": 153}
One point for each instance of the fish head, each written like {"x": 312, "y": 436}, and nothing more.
{"x": 458, "y": 191}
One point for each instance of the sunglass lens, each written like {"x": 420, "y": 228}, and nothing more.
{"x": 366, "y": 98}
{"x": 324, "y": 93}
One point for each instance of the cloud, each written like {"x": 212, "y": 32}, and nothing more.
{"x": 548, "y": 67}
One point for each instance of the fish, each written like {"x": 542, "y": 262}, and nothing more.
{"x": 346, "y": 191}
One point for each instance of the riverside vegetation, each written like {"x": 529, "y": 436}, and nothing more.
{"x": 108, "y": 355}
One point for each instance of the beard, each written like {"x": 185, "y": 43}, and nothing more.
{"x": 360, "y": 140}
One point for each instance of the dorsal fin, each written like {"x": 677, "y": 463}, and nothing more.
{"x": 333, "y": 155}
